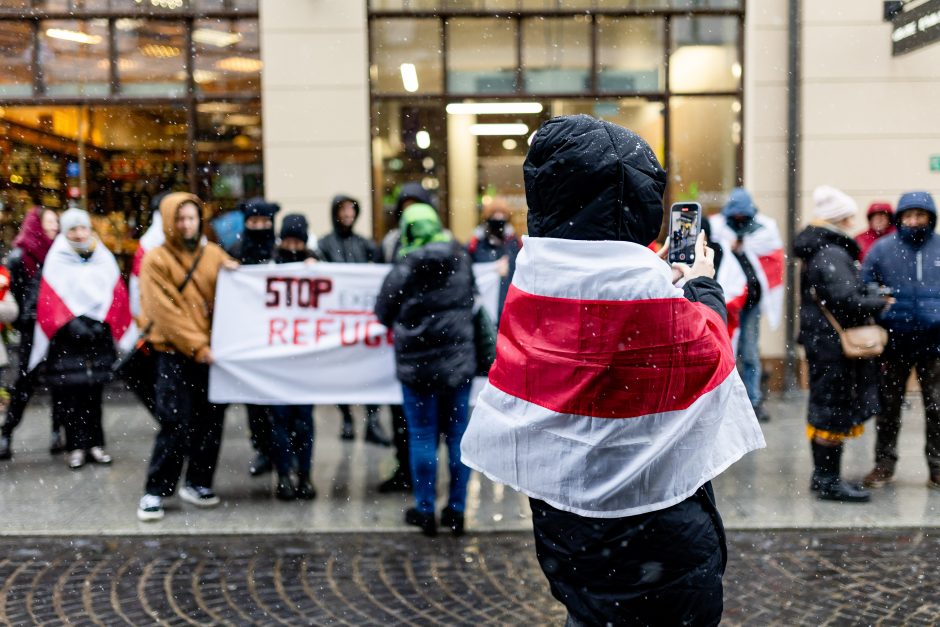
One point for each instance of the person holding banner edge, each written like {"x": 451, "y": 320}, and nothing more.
{"x": 177, "y": 284}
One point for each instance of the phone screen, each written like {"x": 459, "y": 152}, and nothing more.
{"x": 685, "y": 222}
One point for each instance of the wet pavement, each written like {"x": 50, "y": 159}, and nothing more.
{"x": 820, "y": 577}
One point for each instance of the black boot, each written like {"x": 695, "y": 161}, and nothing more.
{"x": 285, "y": 489}
{"x": 305, "y": 490}
{"x": 425, "y": 521}
{"x": 398, "y": 482}
{"x": 374, "y": 433}
{"x": 826, "y": 481}
{"x": 260, "y": 465}
{"x": 453, "y": 520}
{"x": 348, "y": 433}
{"x": 6, "y": 447}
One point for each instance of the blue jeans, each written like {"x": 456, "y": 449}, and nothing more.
{"x": 430, "y": 414}
{"x": 292, "y": 433}
{"x": 749, "y": 353}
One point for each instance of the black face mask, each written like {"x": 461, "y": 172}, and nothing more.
{"x": 190, "y": 243}
{"x": 291, "y": 256}
{"x": 258, "y": 245}
{"x": 741, "y": 226}
{"x": 915, "y": 235}
{"x": 496, "y": 228}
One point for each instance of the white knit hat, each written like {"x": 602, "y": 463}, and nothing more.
{"x": 72, "y": 218}
{"x": 832, "y": 205}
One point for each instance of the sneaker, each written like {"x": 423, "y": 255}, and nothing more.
{"x": 199, "y": 496}
{"x": 56, "y": 442}
{"x": 425, "y": 521}
{"x": 880, "y": 476}
{"x": 453, "y": 520}
{"x": 260, "y": 465}
{"x": 76, "y": 459}
{"x": 99, "y": 456}
{"x": 6, "y": 448}
{"x": 150, "y": 508}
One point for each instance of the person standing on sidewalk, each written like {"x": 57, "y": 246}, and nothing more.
{"x": 753, "y": 240}
{"x": 496, "y": 240}
{"x": 880, "y": 224}
{"x": 343, "y": 245}
{"x": 32, "y": 244}
{"x": 908, "y": 264}
{"x": 177, "y": 291}
{"x": 843, "y": 392}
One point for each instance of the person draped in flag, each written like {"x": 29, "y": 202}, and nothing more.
{"x": 82, "y": 314}
{"x": 753, "y": 240}
{"x": 177, "y": 293}
{"x": 614, "y": 398}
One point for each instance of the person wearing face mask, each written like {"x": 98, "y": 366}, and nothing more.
{"x": 343, "y": 245}
{"x": 880, "y": 224}
{"x": 82, "y": 313}
{"x": 496, "y": 240}
{"x": 177, "y": 295}
{"x": 753, "y": 241}
{"x": 907, "y": 264}
{"x": 256, "y": 246}
{"x": 32, "y": 244}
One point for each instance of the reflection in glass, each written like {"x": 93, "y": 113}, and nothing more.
{"x": 74, "y": 57}
{"x": 704, "y": 135}
{"x": 228, "y": 56}
{"x": 704, "y": 55}
{"x": 481, "y": 56}
{"x": 630, "y": 54}
{"x": 556, "y": 54}
{"x": 407, "y": 56}
{"x": 228, "y": 145}
{"x": 151, "y": 57}
{"x": 643, "y": 117}
{"x": 16, "y": 53}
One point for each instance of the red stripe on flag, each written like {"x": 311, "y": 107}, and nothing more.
{"x": 772, "y": 265}
{"x": 51, "y": 311}
{"x": 119, "y": 315}
{"x": 735, "y": 306}
{"x": 609, "y": 359}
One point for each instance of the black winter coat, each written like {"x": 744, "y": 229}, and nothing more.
{"x": 427, "y": 301}
{"x": 25, "y": 290}
{"x": 81, "y": 353}
{"x": 843, "y": 392}
{"x": 344, "y": 246}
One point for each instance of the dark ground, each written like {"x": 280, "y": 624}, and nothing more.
{"x": 818, "y": 577}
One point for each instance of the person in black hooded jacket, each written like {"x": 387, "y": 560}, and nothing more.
{"x": 343, "y": 245}
{"x": 843, "y": 392}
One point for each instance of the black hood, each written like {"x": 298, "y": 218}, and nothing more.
{"x": 411, "y": 191}
{"x": 338, "y": 200}
{"x": 815, "y": 238}
{"x": 587, "y": 179}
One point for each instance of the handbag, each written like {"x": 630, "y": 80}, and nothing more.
{"x": 862, "y": 342}
{"x": 484, "y": 341}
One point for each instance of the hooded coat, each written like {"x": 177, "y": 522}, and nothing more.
{"x": 343, "y": 245}
{"x": 30, "y": 248}
{"x": 587, "y": 179}
{"x": 182, "y": 322}
{"x": 912, "y": 270}
{"x": 842, "y": 392}
{"x": 868, "y": 238}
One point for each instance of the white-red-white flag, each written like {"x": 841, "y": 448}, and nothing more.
{"x": 71, "y": 287}
{"x": 612, "y": 394}
{"x": 153, "y": 238}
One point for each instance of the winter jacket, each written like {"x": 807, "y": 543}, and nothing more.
{"x": 81, "y": 353}
{"x": 913, "y": 273}
{"x": 182, "y": 322}
{"x": 427, "y": 301}
{"x": 25, "y": 264}
{"x": 830, "y": 268}
{"x": 344, "y": 246}
{"x": 482, "y": 249}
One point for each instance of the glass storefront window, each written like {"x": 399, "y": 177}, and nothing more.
{"x": 404, "y": 5}
{"x": 481, "y": 56}
{"x": 227, "y": 5}
{"x": 704, "y": 55}
{"x": 480, "y": 5}
{"x": 74, "y": 57}
{"x": 643, "y": 117}
{"x": 633, "y": 4}
{"x": 630, "y": 55}
{"x": 556, "y": 54}
{"x": 704, "y": 135}
{"x": 151, "y": 57}
{"x": 228, "y": 56}
{"x": 407, "y": 56}
{"x": 16, "y": 52}
{"x": 228, "y": 146}
{"x": 556, "y": 5}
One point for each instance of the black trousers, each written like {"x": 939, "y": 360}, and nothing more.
{"x": 78, "y": 409}
{"x": 259, "y": 428}
{"x": 400, "y": 438}
{"x": 895, "y": 370}
{"x": 23, "y": 387}
{"x": 190, "y": 426}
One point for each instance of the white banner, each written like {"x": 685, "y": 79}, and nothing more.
{"x": 305, "y": 334}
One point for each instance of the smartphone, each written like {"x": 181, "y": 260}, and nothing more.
{"x": 685, "y": 223}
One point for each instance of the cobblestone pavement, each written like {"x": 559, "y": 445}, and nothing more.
{"x": 781, "y": 578}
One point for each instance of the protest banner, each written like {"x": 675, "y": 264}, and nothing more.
{"x": 305, "y": 334}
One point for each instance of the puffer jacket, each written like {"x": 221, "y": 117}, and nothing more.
{"x": 830, "y": 269}
{"x": 81, "y": 353}
{"x": 427, "y": 300}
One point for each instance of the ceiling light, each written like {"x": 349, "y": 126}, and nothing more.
{"x": 205, "y": 76}
{"x": 493, "y": 107}
{"x": 73, "y": 35}
{"x": 218, "y": 107}
{"x": 127, "y": 24}
{"x": 409, "y": 77}
{"x": 243, "y": 119}
{"x": 246, "y": 65}
{"x": 218, "y": 38}
{"x": 510, "y": 144}
{"x": 423, "y": 139}
{"x": 498, "y": 129}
